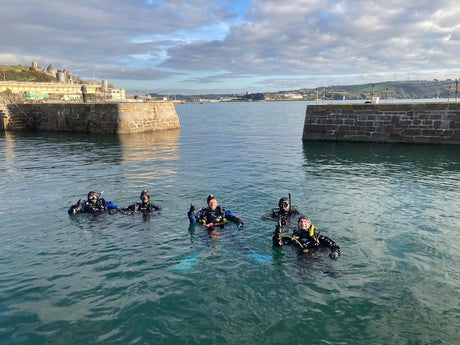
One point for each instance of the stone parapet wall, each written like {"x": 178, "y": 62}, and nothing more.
{"x": 104, "y": 118}
{"x": 428, "y": 123}
{"x": 51, "y": 88}
{"x": 139, "y": 117}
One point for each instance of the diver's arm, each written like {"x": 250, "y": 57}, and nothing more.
{"x": 277, "y": 239}
{"x": 155, "y": 208}
{"x": 75, "y": 208}
{"x": 327, "y": 242}
{"x": 192, "y": 217}
{"x": 113, "y": 208}
{"x": 131, "y": 208}
{"x": 128, "y": 210}
{"x": 230, "y": 216}
{"x": 112, "y": 205}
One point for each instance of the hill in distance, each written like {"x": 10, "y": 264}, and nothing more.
{"x": 417, "y": 89}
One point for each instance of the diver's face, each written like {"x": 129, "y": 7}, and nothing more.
{"x": 304, "y": 224}
{"x": 145, "y": 198}
{"x": 284, "y": 206}
{"x": 212, "y": 204}
{"x": 93, "y": 198}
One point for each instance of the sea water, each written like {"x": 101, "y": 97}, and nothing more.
{"x": 393, "y": 209}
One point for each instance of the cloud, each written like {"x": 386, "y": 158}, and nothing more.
{"x": 311, "y": 37}
{"x": 260, "y": 43}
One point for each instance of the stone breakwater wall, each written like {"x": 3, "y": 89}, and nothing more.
{"x": 424, "y": 123}
{"x": 103, "y": 118}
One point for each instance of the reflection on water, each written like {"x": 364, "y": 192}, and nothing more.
{"x": 425, "y": 157}
{"x": 7, "y": 152}
{"x": 150, "y": 156}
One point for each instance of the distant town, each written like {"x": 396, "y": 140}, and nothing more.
{"x": 417, "y": 89}
{"x": 37, "y": 83}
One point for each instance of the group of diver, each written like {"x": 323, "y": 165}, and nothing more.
{"x": 96, "y": 204}
{"x": 305, "y": 236}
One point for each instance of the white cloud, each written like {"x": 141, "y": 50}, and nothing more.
{"x": 206, "y": 43}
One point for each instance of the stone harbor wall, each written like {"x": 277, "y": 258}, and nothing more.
{"x": 104, "y": 118}
{"x": 425, "y": 123}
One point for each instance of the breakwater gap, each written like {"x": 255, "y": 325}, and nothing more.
{"x": 419, "y": 123}
{"x": 102, "y": 118}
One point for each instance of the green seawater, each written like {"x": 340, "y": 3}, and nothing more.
{"x": 116, "y": 279}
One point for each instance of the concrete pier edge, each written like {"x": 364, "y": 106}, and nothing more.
{"x": 104, "y": 118}
{"x": 420, "y": 123}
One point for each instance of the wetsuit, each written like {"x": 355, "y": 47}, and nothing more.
{"x": 285, "y": 212}
{"x": 218, "y": 216}
{"x": 88, "y": 207}
{"x": 277, "y": 213}
{"x": 305, "y": 240}
{"x": 142, "y": 207}
{"x": 285, "y": 215}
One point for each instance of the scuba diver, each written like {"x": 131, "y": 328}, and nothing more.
{"x": 94, "y": 204}
{"x": 212, "y": 215}
{"x": 305, "y": 238}
{"x": 284, "y": 211}
{"x": 145, "y": 206}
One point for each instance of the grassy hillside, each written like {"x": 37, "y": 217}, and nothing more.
{"x": 402, "y": 89}
{"x": 24, "y": 73}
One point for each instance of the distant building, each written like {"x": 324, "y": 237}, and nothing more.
{"x": 67, "y": 87}
{"x": 293, "y": 96}
{"x": 51, "y": 70}
{"x": 61, "y": 77}
{"x": 116, "y": 94}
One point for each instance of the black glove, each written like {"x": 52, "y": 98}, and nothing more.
{"x": 334, "y": 255}
{"x": 276, "y": 239}
{"x": 74, "y": 208}
{"x": 282, "y": 222}
{"x": 240, "y": 224}
{"x": 191, "y": 211}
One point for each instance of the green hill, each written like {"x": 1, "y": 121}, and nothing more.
{"x": 24, "y": 73}
{"x": 418, "y": 89}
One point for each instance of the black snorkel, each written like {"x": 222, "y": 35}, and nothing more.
{"x": 289, "y": 211}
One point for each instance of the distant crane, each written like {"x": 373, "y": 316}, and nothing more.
{"x": 165, "y": 91}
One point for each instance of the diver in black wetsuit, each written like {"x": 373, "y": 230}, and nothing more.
{"x": 284, "y": 211}
{"x": 212, "y": 215}
{"x": 306, "y": 237}
{"x": 94, "y": 204}
{"x": 144, "y": 207}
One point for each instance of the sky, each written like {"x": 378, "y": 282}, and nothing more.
{"x": 235, "y": 46}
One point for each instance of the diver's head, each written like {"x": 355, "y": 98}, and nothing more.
{"x": 145, "y": 196}
{"x": 303, "y": 223}
{"x": 212, "y": 202}
{"x": 284, "y": 204}
{"x": 93, "y": 197}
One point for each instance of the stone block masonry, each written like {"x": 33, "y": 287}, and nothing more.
{"x": 103, "y": 118}
{"x": 421, "y": 123}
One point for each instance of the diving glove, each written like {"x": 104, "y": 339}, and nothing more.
{"x": 191, "y": 211}
{"x": 334, "y": 255}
